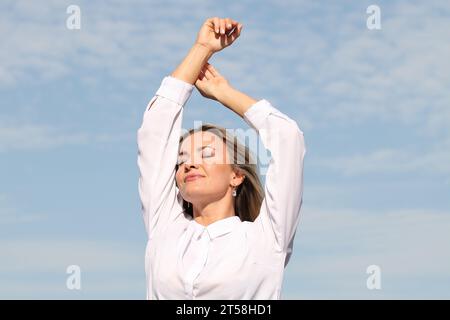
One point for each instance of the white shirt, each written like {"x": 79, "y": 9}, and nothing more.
{"x": 230, "y": 258}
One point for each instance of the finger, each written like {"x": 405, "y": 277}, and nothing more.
{"x": 228, "y": 24}
{"x": 213, "y": 70}
{"x": 239, "y": 29}
{"x": 198, "y": 84}
{"x": 234, "y": 22}
{"x": 233, "y": 35}
{"x": 222, "y": 26}
{"x": 202, "y": 73}
{"x": 216, "y": 24}
{"x": 235, "y": 32}
{"x": 207, "y": 75}
{"x": 203, "y": 70}
{"x": 233, "y": 28}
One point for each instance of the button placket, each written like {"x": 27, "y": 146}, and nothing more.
{"x": 193, "y": 272}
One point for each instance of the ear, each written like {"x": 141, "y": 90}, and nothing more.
{"x": 237, "y": 177}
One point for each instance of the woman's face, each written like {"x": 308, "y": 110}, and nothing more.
{"x": 204, "y": 154}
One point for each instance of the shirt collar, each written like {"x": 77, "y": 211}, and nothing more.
{"x": 217, "y": 228}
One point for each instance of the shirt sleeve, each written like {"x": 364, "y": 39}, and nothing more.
{"x": 280, "y": 210}
{"x": 157, "y": 140}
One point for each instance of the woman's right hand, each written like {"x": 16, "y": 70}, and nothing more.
{"x": 211, "y": 83}
{"x": 215, "y": 33}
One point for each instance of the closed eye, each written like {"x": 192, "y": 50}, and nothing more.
{"x": 207, "y": 152}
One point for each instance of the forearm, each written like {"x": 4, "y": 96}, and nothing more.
{"x": 235, "y": 100}
{"x": 189, "y": 69}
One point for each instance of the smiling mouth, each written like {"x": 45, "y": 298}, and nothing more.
{"x": 193, "y": 178}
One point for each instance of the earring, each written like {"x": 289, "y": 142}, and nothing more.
{"x": 234, "y": 192}
{"x": 189, "y": 205}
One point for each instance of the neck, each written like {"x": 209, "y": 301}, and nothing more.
{"x": 208, "y": 213}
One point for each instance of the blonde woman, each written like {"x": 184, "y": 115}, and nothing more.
{"x": 213, "y": 231}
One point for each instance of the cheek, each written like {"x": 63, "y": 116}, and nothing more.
{"x": 178, "y": 177}
{"x": 218, "y": 173}
{"x": 221, "y": 157}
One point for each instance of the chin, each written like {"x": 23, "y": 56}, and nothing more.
{"x": 190, "y": 192}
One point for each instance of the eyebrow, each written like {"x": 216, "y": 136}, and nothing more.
{"x": 198, "y": 149}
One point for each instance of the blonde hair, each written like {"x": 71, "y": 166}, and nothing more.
{"x": 250, "y": 193}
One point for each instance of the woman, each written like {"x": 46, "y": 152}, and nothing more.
{"x": 213, "y": 232}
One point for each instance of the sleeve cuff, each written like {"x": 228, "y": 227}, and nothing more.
{"x": 175, "y": 90}
{"x": 258, "y": 112}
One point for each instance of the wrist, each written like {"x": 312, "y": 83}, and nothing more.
{"x": 223, "y": 93}
{"x": 235, "y": 100}
{"x": 204, "y": 47}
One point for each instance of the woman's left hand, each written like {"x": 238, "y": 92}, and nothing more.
{"x": 211, "y": 83}
{"x": 217, "y": 34}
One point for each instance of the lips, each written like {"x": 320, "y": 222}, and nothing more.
{"x": 192, "y": 177}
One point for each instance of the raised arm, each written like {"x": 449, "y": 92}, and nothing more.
{"x": 158, "y": 136}
{"x": 214, "y": 35}
{"x": 211, "y": 84}
{"x": 280, "y": 210}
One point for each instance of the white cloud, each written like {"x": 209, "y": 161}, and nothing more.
{"x": 389, "y": 161}
{"x": 54, "y": 255}
{"x": 334, "y": 247}
{"x": 325, "y": 68}
{"x": 329, "y": 70}
{"x": 113, "y": 288}
{"x": 39, "y": 137}
{"x": 29, "y": 137}
{"x": 11, "y": 215}
{"x": 113, "y": 38}
{"x": 397, "y": 74}
{"x": 37, "y": 269}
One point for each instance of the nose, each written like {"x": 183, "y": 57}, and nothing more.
{"x": 192, "y": 161}
{"x": 190, "y": 165}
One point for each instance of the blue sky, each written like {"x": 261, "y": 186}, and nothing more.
{"x": 374, "y": 106}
